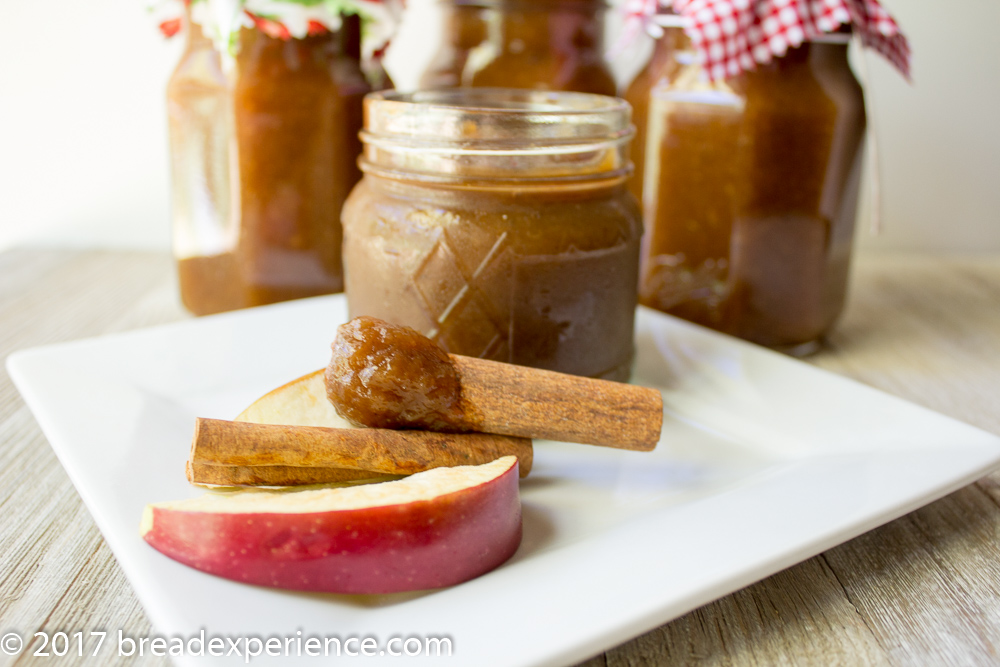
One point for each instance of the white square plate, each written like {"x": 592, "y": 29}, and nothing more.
{"x": 764, "y": 462}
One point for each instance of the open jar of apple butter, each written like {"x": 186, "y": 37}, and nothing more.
{"x": 263, "y": 148}
{"x": 497, "y": 222}
{"x": 548, "y": 44}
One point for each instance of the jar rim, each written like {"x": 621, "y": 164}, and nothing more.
{"x": 501, "y": 133}
{"x": 489, "y": 101}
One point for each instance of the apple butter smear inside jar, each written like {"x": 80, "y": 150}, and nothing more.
{"x": 497, "y": 222}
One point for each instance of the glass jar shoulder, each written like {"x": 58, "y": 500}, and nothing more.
{"x": 553, "y": 45}
{"x": 199, "y": 69}
{"x": 548, "y": 71}
{"x": 542, "y": 221}
{"x": 265, "y": 64}
{"x": 813, "y": 79}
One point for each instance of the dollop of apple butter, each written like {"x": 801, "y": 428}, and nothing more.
{"x": 388, "y": 376}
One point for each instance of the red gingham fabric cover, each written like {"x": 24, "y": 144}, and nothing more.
{"x": 733, "y": 36}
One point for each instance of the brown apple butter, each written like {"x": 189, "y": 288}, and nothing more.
{"x": 497, "y": 222}
{"x": 387, "y": 376}
{"x": 550, "y": 44}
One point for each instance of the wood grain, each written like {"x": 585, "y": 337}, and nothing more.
{"x": 922, "y": 590}
{"x": 57, "y": 573}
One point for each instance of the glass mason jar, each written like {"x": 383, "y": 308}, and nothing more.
{"x": 549, "y": 44}
{"x": 660, "y": 69}
{"x": 497, "y": 222}
{"x": 750, "y": 194}
{"x": 263, "y": 158}
{"x": 464, "y": 28}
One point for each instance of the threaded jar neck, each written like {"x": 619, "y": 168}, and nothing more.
{"x": 496, "y": 135}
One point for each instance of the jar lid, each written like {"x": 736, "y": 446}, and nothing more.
{"x": 496, "y": 134}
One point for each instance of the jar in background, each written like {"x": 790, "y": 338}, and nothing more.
{"x": 547, "y": 44}
{"x": 263, "y": 158}
{"x": 205, "y": 218}
{"x": 498, "y": 223}
{"x": 750, "y": 194}
{"x": 464, "y": 28}
{"x": 659, "y": 70}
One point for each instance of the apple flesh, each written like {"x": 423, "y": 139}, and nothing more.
{"x": 432, "y": 529}
{"x": 301, "y": 402}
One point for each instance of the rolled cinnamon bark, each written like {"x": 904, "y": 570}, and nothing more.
{"x": 382, "y": 451}
{"x": 516, "y": 400}
{"x": 387, "y": 376}
{"x": 224, "y": 475}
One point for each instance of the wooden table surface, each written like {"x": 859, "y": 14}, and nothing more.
{"x": 921, "y": 590}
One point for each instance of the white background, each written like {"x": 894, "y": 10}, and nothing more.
{"x": 83, "y": 148}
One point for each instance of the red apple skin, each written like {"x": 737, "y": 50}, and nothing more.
{"x": 413, "y": 546}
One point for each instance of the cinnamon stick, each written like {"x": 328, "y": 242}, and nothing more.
{"x": 383, "y": 375}
{"x": 528, "y": 402}
{"x": 382, "y": 451}
{"x": 224, "y": 475}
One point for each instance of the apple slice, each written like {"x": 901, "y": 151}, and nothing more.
{"x": 432, "y": 529}
{"x": 301, "y": 402}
